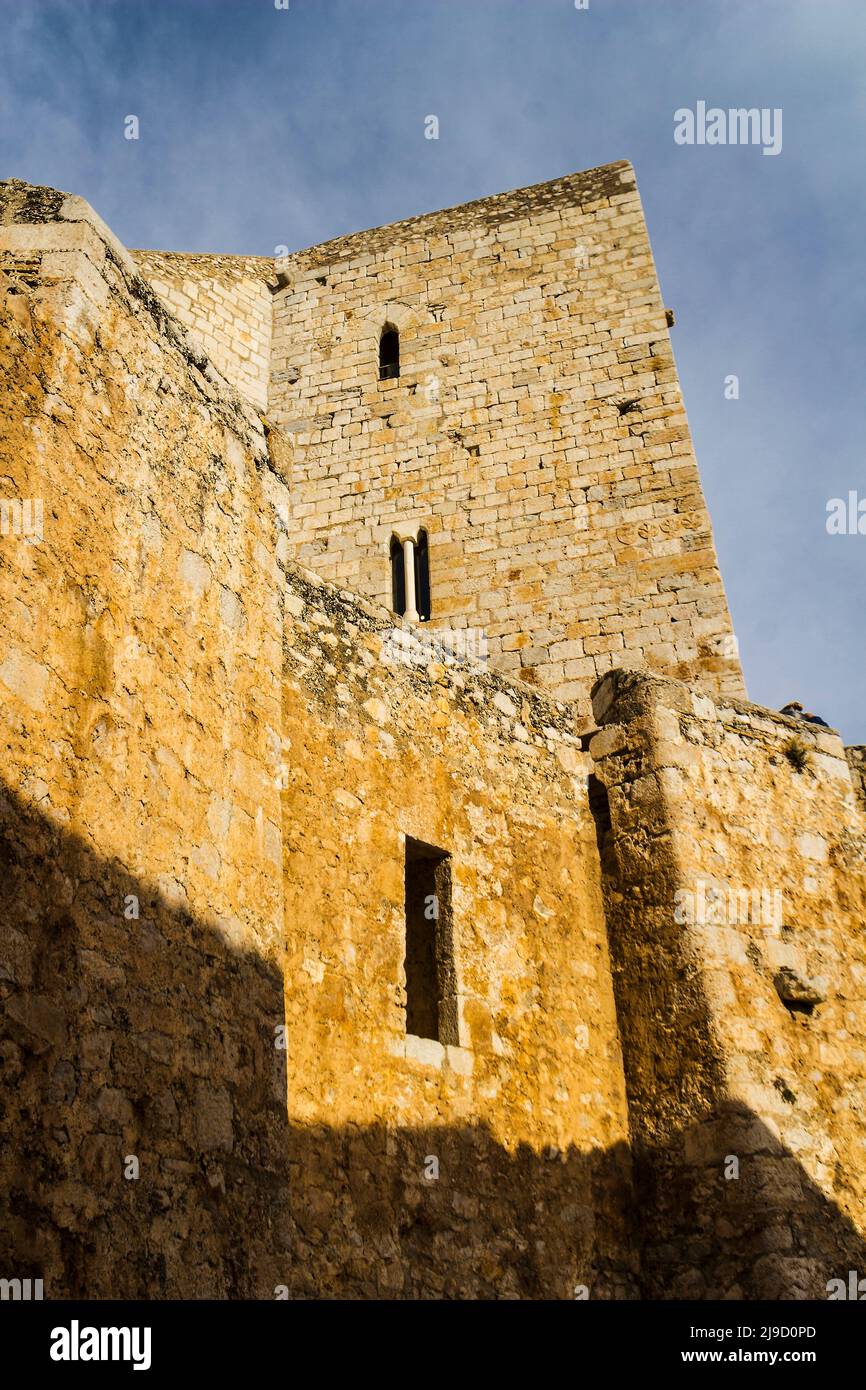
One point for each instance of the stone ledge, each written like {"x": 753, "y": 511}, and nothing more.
{"x": 431, "y": 1053}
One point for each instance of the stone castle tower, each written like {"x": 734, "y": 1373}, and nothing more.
{"x": 535, "y": 432}
{"x": 336, "y": 959}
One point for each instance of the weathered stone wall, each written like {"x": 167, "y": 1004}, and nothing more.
{"x": 225, "y": 303}
{"x": 211, "y": 762}
{"x": 526, "y": 1117}
{"x": 175, "y": 756}
{"x": 743, "y": 1024}
{"x": 536, "y": 429}
{"x": 856, "y": 756}
{"x": 140, "y": 698}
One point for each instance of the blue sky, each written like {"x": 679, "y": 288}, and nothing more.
{"x": 261, "y": 127}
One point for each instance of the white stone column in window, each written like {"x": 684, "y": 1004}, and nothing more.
{"x": 411, "y": 613}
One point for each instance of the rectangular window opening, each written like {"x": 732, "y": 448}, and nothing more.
{"x": 431, "y": 989}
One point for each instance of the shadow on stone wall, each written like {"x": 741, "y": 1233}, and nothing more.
{"x": 724, "y": 1209}
{"x": 155, "y": 1038}
{"x": 150, "y": 1038}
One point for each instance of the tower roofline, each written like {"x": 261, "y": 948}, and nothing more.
{"x": 586, "y": 187}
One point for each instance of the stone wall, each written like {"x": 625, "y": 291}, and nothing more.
{"x": 225, "y": 303}
{"x": 140, "y": 827}
{"x": 210, "y": 765}
{"x": 743, "y": 1019}
{"x": 536, "y": 430}
{"x": 526, "y": 1116}
{"x": 856, "y": 756}
{"x": 212, "y": 762}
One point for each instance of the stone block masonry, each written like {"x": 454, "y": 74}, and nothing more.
{"x": 225, "y": 304}
{"x": 226, "y": 783}
{"x": 536, "y": 430}
{"x": 208, "y": 1091}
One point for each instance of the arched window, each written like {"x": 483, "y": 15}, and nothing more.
{"x": 389, "y": 353}
{"x": 410, "y": 577}
{"x": 398, "y": 577}
{"x": 422, "y": 577}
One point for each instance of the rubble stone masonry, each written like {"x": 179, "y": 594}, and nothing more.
{"x": 218, "y": 749}
{"x": 176, "y": 759}
{"x": 734, "y": 848}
